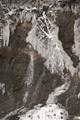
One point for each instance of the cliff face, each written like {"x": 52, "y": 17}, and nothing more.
{"x": 39, "y": 59}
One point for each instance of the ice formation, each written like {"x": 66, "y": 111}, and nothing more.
{"x": 1, "y": 38}
{"x": 44, "y": 38}
{"x": 2, "y": 88}
{"x": 58, "y": 91}
{"x": 30, "y": 73}
{"x": 6, "y": 35}
{"x": 76, "y": 47}
{"x": 30, "y": 70}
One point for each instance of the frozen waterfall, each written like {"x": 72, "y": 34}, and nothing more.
{"x": 47, "y": 43}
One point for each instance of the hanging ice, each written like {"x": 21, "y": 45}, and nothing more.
{"x": 6, "y": 35}
{"x": 30, "y": 70}
{"x": 76, "y": 47}
{"x": 2, "y": 88}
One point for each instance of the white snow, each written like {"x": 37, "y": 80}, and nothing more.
{"x": 11, "y": 12}
{"x": 25, "y": 97}
{"x": 78, "y": 95}
{"x": 59, "y": 90}
{"x": 6, "y": 35}
{"x": 30, "y": 70}
{"x": 48, "y": 112}
{"x": 76, "y": 47}
{"x": 76, "y": 118}
{"x": 30, "y": 73}
{"x": 49, "y": 46}
{"x": 2, "y": 88}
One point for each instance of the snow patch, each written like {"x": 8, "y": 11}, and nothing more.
{"x": 76, "y": 118}
{"x": 2, "y": 88}
{"x": 48, "y": 112}
{"x": 6, "y": 35}
{"x": 59, "y": 90}
{"x": 25, "y": 97}
{"x": 76, "y": 47}
{"x": 30, "y": 73}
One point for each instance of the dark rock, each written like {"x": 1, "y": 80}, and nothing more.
{"x": 15, "y": 117}
{"x": 70, "y": 98}
{"x": 65, "y": 20}
{"x": 18, "y": 39}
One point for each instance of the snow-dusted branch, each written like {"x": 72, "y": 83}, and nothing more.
{"x": 47, "y": 24}
{"x": 47, "y": 35}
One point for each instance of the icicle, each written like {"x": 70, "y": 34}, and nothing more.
{"x": 2, "y": 87}
{"x": 30, "y": 70}
{"x": 30, "y": 73}
{"x": 6, "y": 35}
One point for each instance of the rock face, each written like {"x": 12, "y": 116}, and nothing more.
{"x": 26, "y": 79}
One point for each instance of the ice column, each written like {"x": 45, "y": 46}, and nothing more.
{"x": 30, "y": 73}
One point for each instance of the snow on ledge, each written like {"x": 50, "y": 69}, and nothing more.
{"x": 48, "y": 112}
